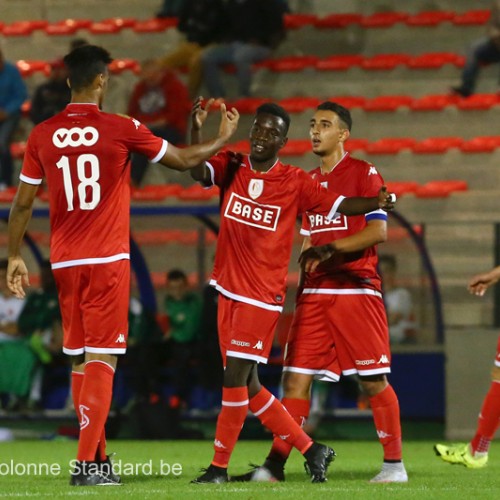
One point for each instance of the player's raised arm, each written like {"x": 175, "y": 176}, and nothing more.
{"x": 20, "y": 215}
{"x": 199, "y": 114}
{"x": 187, "y": 158}
{"x": 360, "y": 205}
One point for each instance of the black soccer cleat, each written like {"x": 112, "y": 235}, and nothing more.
{"x": 318, "y": 459}
{"x": 106, "y": 467}
{"x": 269, "y": 472}
{"x": 213, "y": 474}
{"x": 90, "y": 474}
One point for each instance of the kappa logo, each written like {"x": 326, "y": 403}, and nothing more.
{"x": 137, "y": 123}
{"x": 75, "y": 137}
{"x": 84, "y": 419}
{"x": 383, "y": 359}
{"x": 284, "y": 437}
{"x": 255, "y": 188}
{"x": 251, "y": 213}
{"x": 120, "y": 339}
{"x": 219, "y": 444}
{"x": 259, "y": 345}
{"x": 372, "y": 171}
{"x": 383, "y": 435}
{"x": 240, "y": 343}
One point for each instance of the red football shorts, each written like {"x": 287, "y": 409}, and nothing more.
{"x": 94, "y": 302}
{"x": 332, "y": 335}
{"x": 245, "y": 331}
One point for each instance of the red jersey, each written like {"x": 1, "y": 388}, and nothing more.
{"x": 353, "y": 271}
{"x": 84, "y": 155}
{"x": 258, "y": 215}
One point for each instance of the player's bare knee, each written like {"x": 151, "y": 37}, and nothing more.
{"x": 110, "y": 359}
{"x": 373, "y": 384}
{"x": 296, "y": 385}
{"x": 237, "y": 372}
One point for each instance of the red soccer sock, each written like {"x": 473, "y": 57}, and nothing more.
{"x": 385, "y": 407}
{"x": 488, "y": 421}
{"x": 274, "y": 416}
{"x": 93, "y": 407}
{"x": 229, "y": 423}
{"x": 299, "y": 411}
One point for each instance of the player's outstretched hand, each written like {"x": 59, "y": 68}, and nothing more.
{"x": 199, "y": 112}
{"x": 311, "y": 258}
{"x": 17, "y": 276}
{"x": 386, "y": 200}
{"x": 228, "y": 121}
{"x": 479, "y": 283}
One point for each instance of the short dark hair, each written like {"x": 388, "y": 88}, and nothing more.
{"x": 176, "y": 274}
{"x": 4, "y": 263}
{"x": 84, "y": 64}
{"x": 343, "y": 113}
{"x": 272, "y": 108}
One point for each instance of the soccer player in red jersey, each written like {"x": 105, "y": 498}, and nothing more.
{"x": 260, "y": 200}
{"x": 340, "y": 325}
{"x": 474, "y": 455}
{"x": 83, "y": 153}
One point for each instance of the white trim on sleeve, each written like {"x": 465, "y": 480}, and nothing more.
{"x": 305, "y": 232}
{"x": 212, "y": 172}
{"x": 333, "y": 214}
{"x": 73, "y": 352}
{"x": 162, "y": 152}
{"x": 29, "y": 180}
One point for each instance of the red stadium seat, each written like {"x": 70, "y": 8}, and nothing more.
{"x": 352, "y": 145}
{"x": 296, "y": 147}
{"x": 436, "y": 145}
{"x": 103, "y": 28}
{"x": 339, "y": 63}
{"x": 198, "y": 193}
{"x": 18, "y": 28}
{"x": 349, "y": 101}
{"x": 247, "y": 105}
{"x": 28, "y": 68}
{"x": 385, "y": 61}
{"x": 292, "y": 63}
{"x": 155, "y": 192}
{"x": 484, "y": 144}
{"x": 441, "y": 189}
{"x": 390, "y": 145}
{"x": 338, "y": 21}
{"x": 387, "y": 103}
{"x": 299, "y": 104}
{"x": 433, "y": 60}
{"x": 123, "y": 22}
{"x": 17, "y": 150}
{"x": 7, "y": 195}
{"x": 295, "y": 21}
{"x": 472, "y": 17}
{"x": 118, "y": 66}
{"x": 478, "y": 101}
{"x": 435, "y": 102}
{"x": 67, "y": 27}
{"x": 26, "y": 108}
{"x": 383, "y": 19}
{"x": 155, "y": 25}
{"x": 430, "y": 18}
{"x": 401, "y": 188}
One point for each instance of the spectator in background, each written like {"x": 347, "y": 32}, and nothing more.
{"x": 485, "y": 50}
{"x": 170, "y": 8}
{"x": 13, "y": 93}
{"x": 398, "y": 303}
{"x": 183, "y": 308}
{"x": 254, "y": 29}
{"x": 17, "y": 360}
{"x": 52, "y": 96}
{"x": 161, "y": 102}
{"x": 40, "y": 323}
{"x": 201, "y": 22}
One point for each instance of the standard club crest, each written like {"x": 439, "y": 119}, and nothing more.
{"x": 255, "y": 188}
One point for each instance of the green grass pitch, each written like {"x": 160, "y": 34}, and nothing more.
{"x": 41, "y": 468}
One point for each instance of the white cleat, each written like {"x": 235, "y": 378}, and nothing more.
{"x": 391, "y": 473}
